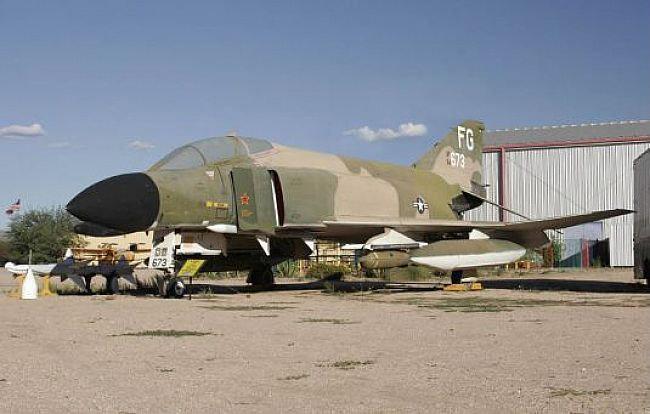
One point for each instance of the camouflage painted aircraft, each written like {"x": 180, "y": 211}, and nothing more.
{"x": 244, "y": 203}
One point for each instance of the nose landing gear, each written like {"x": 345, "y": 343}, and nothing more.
{"x": 176, "y": 288}
{"x": 171, "y": 287}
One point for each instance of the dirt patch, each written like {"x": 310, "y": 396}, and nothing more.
{"x": 553, "y": 351}
{"x": 492, "y": 304}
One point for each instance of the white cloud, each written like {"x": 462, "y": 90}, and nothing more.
{"x": 59, "y": 144}
{"x": 19, "y": 131}
{"x": 141, "y": 145}
{"x": 408, "y": 129}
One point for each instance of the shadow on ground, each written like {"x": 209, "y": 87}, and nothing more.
{"x": 330, "y": 285}
{"x": 539, "y": 284}
{"x": 594, "y": 286}
{"x": 532, "y": 284}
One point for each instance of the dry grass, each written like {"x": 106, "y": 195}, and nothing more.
{"x": 346, "y": 364}
{"x": 327, "y": 320}
{"x": 570, "y": 392}
{"x": 293, "y": 377}
{"x": 244, "y": 308}
{"x": 166, "y": 333}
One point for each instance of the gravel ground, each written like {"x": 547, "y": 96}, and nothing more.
{"x": 497, "y": 350}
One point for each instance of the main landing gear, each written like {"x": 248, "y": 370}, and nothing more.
{"x": 456, "y": 277}
{"x": 261, "y": 275}
{"x": 457, "y": 284}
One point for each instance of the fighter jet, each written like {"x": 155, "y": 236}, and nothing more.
{"x": 244, "y": 203}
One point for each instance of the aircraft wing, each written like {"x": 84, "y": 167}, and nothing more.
{"x": 39, "y": 269}
{"x": 527, "y": 233}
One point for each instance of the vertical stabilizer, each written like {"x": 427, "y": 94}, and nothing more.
{"x": 457, "y": 157}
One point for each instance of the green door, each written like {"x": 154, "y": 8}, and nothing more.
{"x": 255, "y": 199}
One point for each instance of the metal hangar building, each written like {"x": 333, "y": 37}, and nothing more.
{"x": 567, "y": 169}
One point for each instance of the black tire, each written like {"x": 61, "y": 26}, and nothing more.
{"x": 109, "y": 284}
{"x": 176, "y": 288}
{"x": 87, "y": 281}
{"x": 261, "y": 276}
{"x": 456, "y": 277}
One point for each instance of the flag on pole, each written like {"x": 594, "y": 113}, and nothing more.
{"x": 13, "y": 208}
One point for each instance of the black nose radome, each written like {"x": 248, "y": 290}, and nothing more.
{"x": 127, "y": 202}
{"x": 91, "y": 229}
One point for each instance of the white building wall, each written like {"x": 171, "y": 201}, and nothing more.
{"x": 552, "y": 182}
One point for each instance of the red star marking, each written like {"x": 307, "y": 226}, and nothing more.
{"x": 245, "y": 199}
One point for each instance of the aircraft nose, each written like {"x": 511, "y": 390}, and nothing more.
{"x": 127, "y": 202}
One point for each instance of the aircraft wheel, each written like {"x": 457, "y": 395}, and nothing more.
{"x": 176, "y": 288}
{"x": 112, "y": 285}
{"x": 88, "y": 280}
{"x": 260, "y": 276}
{"x": 456, "y": 277}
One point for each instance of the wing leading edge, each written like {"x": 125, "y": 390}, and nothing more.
{"x": 529, "y": 234}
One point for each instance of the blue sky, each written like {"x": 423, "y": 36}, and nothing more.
{"x": 97, "y": 76}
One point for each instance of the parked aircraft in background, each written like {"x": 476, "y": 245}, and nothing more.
{"x": 244, "y": 203}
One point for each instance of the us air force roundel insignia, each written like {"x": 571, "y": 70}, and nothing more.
{"x": 420, "y": 205}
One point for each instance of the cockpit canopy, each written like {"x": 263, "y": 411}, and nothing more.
{"x": 209, "y": 151}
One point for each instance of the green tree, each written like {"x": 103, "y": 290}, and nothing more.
{"x": 4, "y": 248}
{"x": 47, "y": 232}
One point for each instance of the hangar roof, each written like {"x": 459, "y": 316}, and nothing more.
{"x": 561, "y": 135}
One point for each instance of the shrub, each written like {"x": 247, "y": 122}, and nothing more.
{"x": 325, "y": 270}
{"x": 287, "y": 269}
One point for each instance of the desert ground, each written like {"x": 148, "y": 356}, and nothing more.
{"x": 558, "y": 342}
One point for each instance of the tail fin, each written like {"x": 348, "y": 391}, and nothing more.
{"x": 457, "y": 158}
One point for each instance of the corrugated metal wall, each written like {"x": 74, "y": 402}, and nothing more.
{"x": 558, "y": 181}
{"x": 642, "y": 215}
{"x": 487, "y": 212}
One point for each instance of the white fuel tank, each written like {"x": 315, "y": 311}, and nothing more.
{"x": 448, "y": 255}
